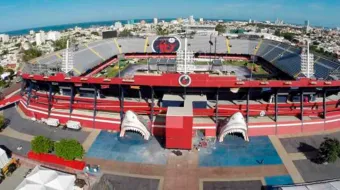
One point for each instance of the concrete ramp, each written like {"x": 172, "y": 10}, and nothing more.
{"x": 236, "y": 124}
{"x": 131, "y": 122}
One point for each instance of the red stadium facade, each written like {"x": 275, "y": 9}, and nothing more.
{"x": 40, "y": 99}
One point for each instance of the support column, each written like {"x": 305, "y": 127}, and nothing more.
{"x": 23, "y": 87}
{"x": 324, "y": 108}
{"x": 152, "y": 109}
{"x": 121, "y": 102}
{"x": 247, "y": 118}
{"x": 216, "y": 111}
{"x": 276, "y": 110}
{"x": 95, "y": 106}
{"x": 49, "y": 99}
{"x": 29, "y": 94}
{"x": 71, "y": 99}
{"x": 301, "y": 108}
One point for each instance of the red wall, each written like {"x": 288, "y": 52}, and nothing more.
{"x": 53, "y": 159}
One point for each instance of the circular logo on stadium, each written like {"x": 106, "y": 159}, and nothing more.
{"x": 166, "y": 44}
{"x": 184, "y": 80}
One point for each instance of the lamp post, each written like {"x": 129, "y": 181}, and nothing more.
{"x": 211, "y": 44}
{"x": 252, "y": 65}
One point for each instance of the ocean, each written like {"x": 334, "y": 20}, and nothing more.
{"x": 86, "y": 25}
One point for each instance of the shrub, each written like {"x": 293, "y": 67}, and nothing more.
{"x": 329, "y": 151}
{"x": 41, "y": 144}
{"x": 69, "y": 149}
{"x": 2, "y": 122}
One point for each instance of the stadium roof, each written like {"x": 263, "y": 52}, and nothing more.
{"x": 283, "y": 56}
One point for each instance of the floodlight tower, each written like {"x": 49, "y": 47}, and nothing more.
{"x": 67, "y": 63}
{"x": 307, "y": 61}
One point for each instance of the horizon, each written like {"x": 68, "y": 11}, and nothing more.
{"x": 37, "y": 13}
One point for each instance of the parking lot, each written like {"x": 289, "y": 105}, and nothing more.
{"x": 35, "y": 129}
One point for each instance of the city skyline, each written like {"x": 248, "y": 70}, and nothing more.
{"x": 18, "y": 14}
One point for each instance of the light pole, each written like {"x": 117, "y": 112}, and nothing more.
{"x": 211, "y": 44}
{"x": 252, "y": 65}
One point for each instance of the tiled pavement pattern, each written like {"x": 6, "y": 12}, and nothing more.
{"x": 119, "y": 182}
{"x": 302, "y": 149}
{"x": 131, "y": 148}
{"x": 234, "y": 151}
{"x": 278, "y": 180}
{"x": 316, "y": 172}
{"x": 182, "y": 172}
{"x": 305, "y": 143}
{"x": 232, "y": 185}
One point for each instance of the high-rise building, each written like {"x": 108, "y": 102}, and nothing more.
{"x": 191, "y": 20}
{"x": 118, "y": 25}
{"x": 4, "y": 38}
{"x": 307, "y": 27}
{"x": 155, "y": 20}
{"x": 201, "y": 20}
{"x": 40, "y": 38}
{"x": 249, "y": 21}
{"x": 131, "y": 22}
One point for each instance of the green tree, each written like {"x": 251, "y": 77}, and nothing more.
{"x": 5, "y": 52}
{"x": 60, "y": 44}
{"x": 2, "y": 122}
{"x": 69, "y": 149}
{"x": 328, "y": 151}
{"x": 277, "y": 33}
{"x": 95, "y": 33}
{"x": 1, "y": 70}
{"x": 220, "y": 28}
{"x": 41, "y": 144}
{"x": 288, "y": 36}
{"x": 11, "y": 71}
{"x": 125, "y": 33}
{"x": 162, "y": 31}
{"x": 31, "y": 54}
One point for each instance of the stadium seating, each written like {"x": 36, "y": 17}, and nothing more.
{"x": 321, "y": 71}
{"x": 285, "y": 57}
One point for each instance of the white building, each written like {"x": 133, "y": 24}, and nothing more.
{"x": 266, "y": 36}
{"x": 203, "y": 30}
{"x": 128, "y": 26}
{"x": 155, "y": 21}
{"x": 191, "y": 20}
{"x": 53, "y": 35}
{"x": 40, "y": 38}
{"x": 118, "y": 25}
{"x": 32, "y": 32}
{"x": 307, "y": 26}
{"x": 4, "y": 38}
{"x": 201, "y": 20}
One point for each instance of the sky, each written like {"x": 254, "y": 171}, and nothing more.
{"x": 22, "y": 14}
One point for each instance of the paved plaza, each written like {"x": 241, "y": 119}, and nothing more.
{"x": 133, "y": 163}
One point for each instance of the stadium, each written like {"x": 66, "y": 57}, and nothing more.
{"x": 175, "y": 87}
